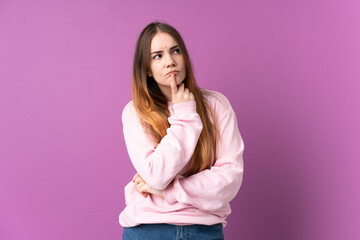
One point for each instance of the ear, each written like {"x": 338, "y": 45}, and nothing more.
{"x": 149, "y": 73}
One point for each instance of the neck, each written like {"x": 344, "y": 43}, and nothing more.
{"x": 166, "y": 91}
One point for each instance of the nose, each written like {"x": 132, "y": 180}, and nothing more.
{"x": 170, "y": 61}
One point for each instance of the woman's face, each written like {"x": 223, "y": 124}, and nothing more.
{"x": 166, "y": 59}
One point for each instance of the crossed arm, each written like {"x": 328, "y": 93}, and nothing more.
{"x": 209, "y": 189}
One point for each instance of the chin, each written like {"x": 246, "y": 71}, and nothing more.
{"x": 178, "y": 81}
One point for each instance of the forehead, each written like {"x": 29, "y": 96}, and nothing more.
{"x": 162, "y": 41}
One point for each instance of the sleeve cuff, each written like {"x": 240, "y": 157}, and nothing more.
{"x": 170, "y": 194}
{"x": 185, "y": 107}
{"x": 174, "y": 188}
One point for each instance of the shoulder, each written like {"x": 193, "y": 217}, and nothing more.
{"x": 217, "y": 100}
{"x": 129, "y": 112}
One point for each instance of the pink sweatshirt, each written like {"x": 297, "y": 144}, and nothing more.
{"x": 202, "y": 198}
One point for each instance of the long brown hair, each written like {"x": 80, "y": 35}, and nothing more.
{"x": 151, "y": 104}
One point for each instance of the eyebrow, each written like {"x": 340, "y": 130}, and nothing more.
{"x": 162, "y": 51}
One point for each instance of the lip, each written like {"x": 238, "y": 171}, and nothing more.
{"x": 172, "y": 72}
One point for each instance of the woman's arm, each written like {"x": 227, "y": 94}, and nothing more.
{"x": 159, "y": 166}
{"x": 144, "y": 189}
{"x": 213, "y": 189}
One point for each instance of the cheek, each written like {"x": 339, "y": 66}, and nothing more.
{"x": 155, "y": 70}
{"x": 157, "y": 74}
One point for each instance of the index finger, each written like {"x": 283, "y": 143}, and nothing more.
{"x": 174, "y": 88}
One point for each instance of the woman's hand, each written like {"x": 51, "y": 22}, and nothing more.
{"x": 143, "y": 188}
{"x": 180, "y": 94}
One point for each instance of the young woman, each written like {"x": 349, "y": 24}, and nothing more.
{"x": 183, "y": 142}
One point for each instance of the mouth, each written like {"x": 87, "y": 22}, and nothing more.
{"x": 172, "y": 72}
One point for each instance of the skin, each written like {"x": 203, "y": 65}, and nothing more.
{"x": 165, "y": 57}
{"x": 144, "y": 189}
{"x": 178, "y": 95}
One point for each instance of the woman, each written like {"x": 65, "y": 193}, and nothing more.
{"x": 183, "y": 142}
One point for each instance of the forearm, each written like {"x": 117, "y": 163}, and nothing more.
{"x": 209, "y": 190}
{"x": 214, "y": 188}
{"x": 158, "y": 166}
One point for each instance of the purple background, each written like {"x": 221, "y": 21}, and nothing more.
{"x": 291, "y": 70}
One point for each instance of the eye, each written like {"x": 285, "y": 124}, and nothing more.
{"x": 157, "y": 56}
{"x": 177, "y": 51}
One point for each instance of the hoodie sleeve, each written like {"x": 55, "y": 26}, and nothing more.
{"x": 159, "y": 165}
{"x": 212, "y": 189}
